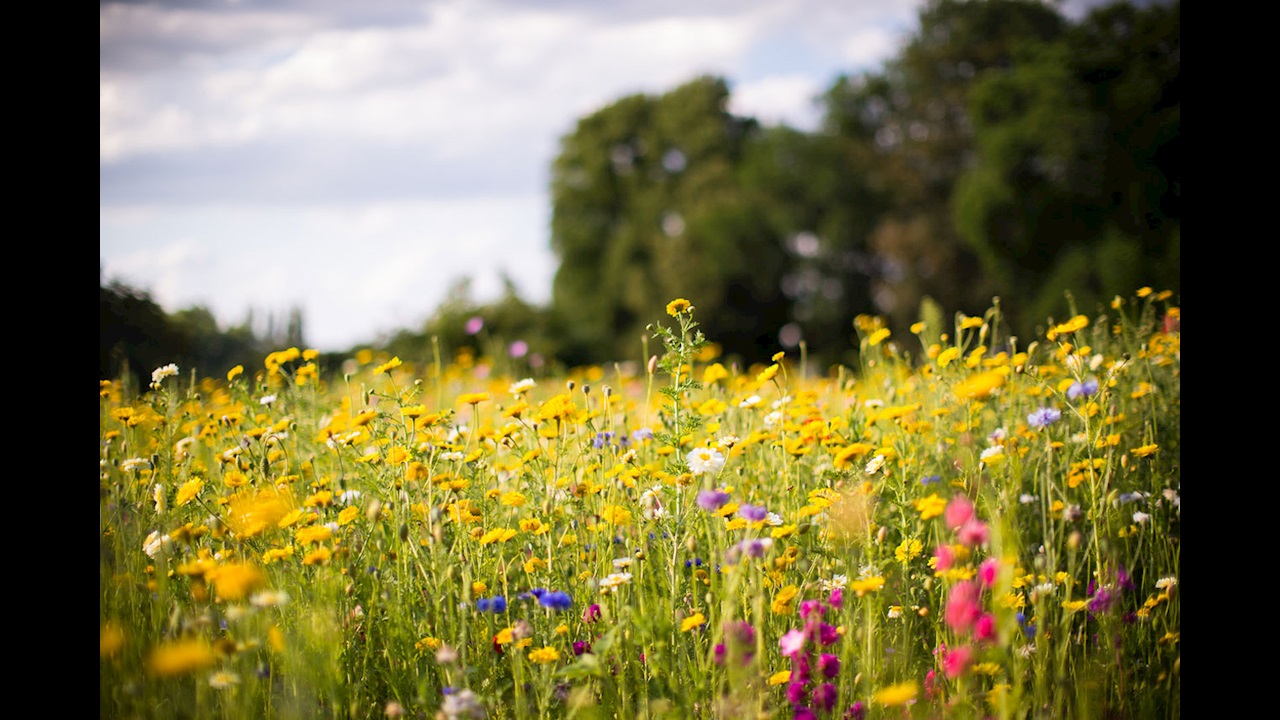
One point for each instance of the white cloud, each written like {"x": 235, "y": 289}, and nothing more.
{"x": 354, "y": 158}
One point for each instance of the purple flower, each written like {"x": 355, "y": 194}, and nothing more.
{"x": 827, "y": 634}
{"x": 754, "y": 513}
{"x": 837, "y": 598}
{"x": 602, "y": 439}
{"x": 518, "y": 349}
{"x": 808, "y": 607}
{"x": 1044, "y": 417}
{"x": 1082, "y": 389}
{"x": 497, "y": 604}
{"x": 712, "y": 500}
{"x": 828, "y": 665}
{"x": 795, "y": 693}
{"x": 474, "y": 324}
{"x": 800, "y": 670}
{"x": 556, "y": 600}
{"x": 580, "y": 647}
{"x": 1103, "y": 601}
{"x": 824, "y": 696}
{"x": 642, "y": 434}
{"x": 591, "y": 614}
{"x": 856, "y": 711}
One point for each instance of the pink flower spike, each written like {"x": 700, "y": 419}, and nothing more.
{"x": 958, "y": 511}
{"x": 946, "y": 557}
{"x": 957, "y": 661}
{"x": 984, "y": 629}
{"x": 963, "y": 607}
{"x": 973, "y": 533}
{"x": 792, "y": 642}
{"x": 987, "y": 571}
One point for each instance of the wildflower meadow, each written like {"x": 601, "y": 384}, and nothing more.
{"x": 964, "y": 524}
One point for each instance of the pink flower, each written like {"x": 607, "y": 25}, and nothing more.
{"x": 792, "y": 642}
{"x": 987, "y": 571}
{"x": 945, "y": 555}
{"x": 958, "y": 511}
{"x": 837, "y": 598}
{"x": 591, "y": 614}
{"x": 973, "y": 533}
{"x": 984, "y": 629}
{"x": 964, "y": 606}
{"x": 957, "y": 661}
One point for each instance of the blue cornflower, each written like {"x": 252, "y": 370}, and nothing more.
{"x": 1043, "y": 417}
{"x": 497, "y": 604}
{"x": 602, "y": 439}
{"x": 556, "y": 600}
{"x": 1082, "y": 389}
{"x": 930, "y": 479}
{"x": 642, "y": 434}
{"x": 753, "y": 513}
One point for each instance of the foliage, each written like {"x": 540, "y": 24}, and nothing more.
{"x": 975, "y": 529}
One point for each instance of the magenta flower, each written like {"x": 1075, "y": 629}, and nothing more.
{"x": 824, "y": 696}
{"x": 829, "y": 665}
{"x": 808, "y": 607}
{"x": 827, "y": 634}
{"x": 591, "y": 614}
{"x": 857, "y": 711}
{"x": 800, "y": 669}
{"x": 796, "y": 693}
{"x": 474, "y": 324}
{"x": 837, "y": 598}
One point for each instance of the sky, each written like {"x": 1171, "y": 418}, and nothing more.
{"x": 357, "y": 159}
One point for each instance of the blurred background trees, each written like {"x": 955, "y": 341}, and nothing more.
{"x": 1005, "y": 151}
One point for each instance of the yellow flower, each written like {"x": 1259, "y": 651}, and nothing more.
{"x": 389, "y": 365}
{"x": 512, "y": 499}
{"x": 427, "y": 643}
{"x": 348, "y": 515}
{"x": 180, "y": 658}
{"x": 780, "y": 678}
{"x": 677, "y": 306}
{"x": 111, "y": 641}
{"x": 473, "y": 398}
{"x": 862, "y": 586}
{"x": 946, "y": 357}
{"x": 930, "y": 507}
{"x": 1078, "y": 322}
{"x": 908, "y": 549}
{"x": 767, "y": 374}
{"x": 312, "y": 534}
{"x": 980, "y": 385}
{"x": 233, "y": 582}
{"x": 319, "y": 556}
{"x": 1144, "y": 451}
{"x": 782, "y": 601}
{"x": 896, "y": 694}
{"x": 695, "y": 620}
{"x": 233, "y": 372}
{"x": 878, "y": 337}
{"x": 713, "y": 373}
{"x": 544, "y": 655}
{"x": 189, "y": 490}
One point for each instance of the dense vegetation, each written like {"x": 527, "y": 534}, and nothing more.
{"x": 971, "y": 527}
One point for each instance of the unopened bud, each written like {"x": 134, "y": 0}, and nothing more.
{"x": 653, "y": 364}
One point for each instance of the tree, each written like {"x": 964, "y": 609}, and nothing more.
{"x": 1076, "y": 182}
{"x": 648, "y": 206}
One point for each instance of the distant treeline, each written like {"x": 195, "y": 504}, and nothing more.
{"x": 1005, "y": 151}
